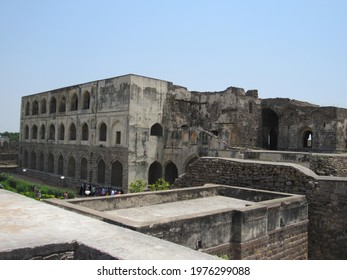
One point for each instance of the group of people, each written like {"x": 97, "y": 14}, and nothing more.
{"x": 94, "y": 190}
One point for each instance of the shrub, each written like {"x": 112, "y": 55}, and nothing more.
{"x": 159, "y": 185}
{"x": 138, "y": 186}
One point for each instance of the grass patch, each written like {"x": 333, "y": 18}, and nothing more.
{"x": 32, "y": 190}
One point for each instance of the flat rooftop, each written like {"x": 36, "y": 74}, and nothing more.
{"x": 164, "y": 212}
{"x": 29, "y": 228}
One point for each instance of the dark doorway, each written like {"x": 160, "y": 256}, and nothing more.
{"x": 171, "y": 172}
{"x": 155, "y": 172}
{"x": 307, "y": 137}
{"x": 269, "y": 129}
{"x": 117, "y": 174}
{"x": 101, "y": 171}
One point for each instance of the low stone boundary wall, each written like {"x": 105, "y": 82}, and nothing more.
{"x": 326, "y": 196}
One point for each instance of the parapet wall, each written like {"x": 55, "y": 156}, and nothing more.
{"x": 326, "y": 196}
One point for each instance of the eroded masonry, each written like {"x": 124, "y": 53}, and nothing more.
{"x": 117, "y": 130}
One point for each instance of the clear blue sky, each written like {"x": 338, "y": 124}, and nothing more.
{"x": 295, "y": 49}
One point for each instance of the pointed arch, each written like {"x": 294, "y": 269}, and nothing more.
{"x": 62, "y": 105}
{"x": 50, "y": 163}
{"x": 171, "y": 172}
{"x": 72, "y": 132}
{"x": 27, "y": 108}
{"x": 86, "y": 100}
{"x": 101, "y": 171}
{"x": 102, "y": 132}
{"x": 41, "y": 162}
{"x": 35, "y": 109}
{"x": 84, "y": 169}
{"x": 52, "y": 132}
{"x": 71, "y": 167}
{"x": 43, "y": 132}
{"x": 155, "y": 172}
{"x": 61, "y": 132}
{"x": 53, "y": 105}
{"x": 26, "y": 132}
{"x": 43, "y": 106}
{"x": 33, "y": 160}
{"x": 74, "y": 103}
{"x": 61, "y": 165}
{"x": 25, "y": 158}
{"x": 34, "y": 132}
{"x": 85, "y": 132}
{"x": 117, "y": 174}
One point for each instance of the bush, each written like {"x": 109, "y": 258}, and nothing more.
{"x": 138, "y": 186}
{"x": 26, "y": 188}
{"x": 160, "y": 185}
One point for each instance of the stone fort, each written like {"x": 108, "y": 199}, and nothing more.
{"x": 117, "y": 130}
{"x": 114, "y": 131}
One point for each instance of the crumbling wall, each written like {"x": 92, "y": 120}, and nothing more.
{"x": 327, "y": 196}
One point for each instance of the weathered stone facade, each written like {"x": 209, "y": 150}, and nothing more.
{"x": 326, "y": 195}
{"x": 117, "y": 130}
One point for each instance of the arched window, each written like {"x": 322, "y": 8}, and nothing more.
{"x": 43, "y": 132}
{"x": 72, "y": 132}
{"x": 25, "y": 158}
{"x": 33, "y": 160}
{"x": 74, "y": 103}
{"x": 101, "y": 172}
{"x": 307, "y": 139}
{"x": 34, "y": 132}
{"x": 27, "y": 108}
{"x": 250, "y": 107}
{"x": 85, "y": 132}
{"x": 61, "y": 165}
{"x": 52, "y": 132}
{"x": 86, "y": 100}
{"x": 157, "y": 130}
{"x": 61, "y": 132}
{"x": 26, "y": 132}
{"x": 71, "y": 167}
{"x": 117, "y": 174}
{"x": 62, "y": 106}
{"x": 171, "y": 172}
{"x": 103, "y": 132}
{"x": 50, "y": 165}
{"x": 41, "y": 162}
{"x": 35, "y": 108}
{"x": 43, "y": 106}
{"x": 155, "y": 172}
{"x": 84, "y": 169}
{"x": 53, "y": 105}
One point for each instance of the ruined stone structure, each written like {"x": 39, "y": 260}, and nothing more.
{"x": 326, "y": 195}
{"x": 117, "y": 130}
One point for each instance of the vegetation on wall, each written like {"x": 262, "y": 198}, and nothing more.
{"x": 30, "y": 189}
{"x": 142, "y": 186}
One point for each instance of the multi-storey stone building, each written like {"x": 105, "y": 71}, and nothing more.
{"x": 117, "y": 130}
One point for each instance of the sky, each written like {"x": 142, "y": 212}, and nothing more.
{"x": 292, "y": 49}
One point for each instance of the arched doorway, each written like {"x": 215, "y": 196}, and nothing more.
{"x": 84, "y": 169}
{"x": 307, "y": 139}
{"x": 171, "y": 172}
{"x": 269, "y": 129}
{"x": 155, "y": 172}
{"x": 117, "y": 174}
{"x": 101, "y": 171}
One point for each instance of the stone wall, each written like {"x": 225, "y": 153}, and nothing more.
{"x": 327, "y": 196}
{"x": 327, "y": 165}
